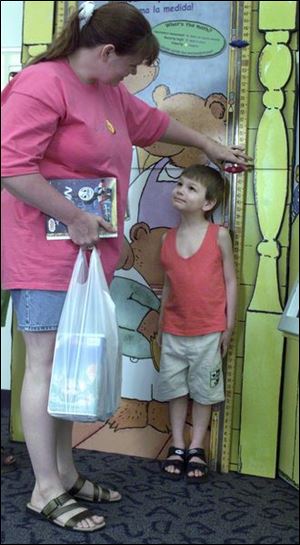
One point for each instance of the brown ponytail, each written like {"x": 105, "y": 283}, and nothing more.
{"x": 117, "y": 23}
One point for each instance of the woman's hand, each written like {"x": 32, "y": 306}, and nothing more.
{"x": 84, "y": 229}
{"x": 178, "y": 134}
{"x": 220, "y": 154}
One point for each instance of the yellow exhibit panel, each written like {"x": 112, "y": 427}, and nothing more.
{"x": 260, "y": 395}
{"x": 264, "y": 344}
{"x": 38, "y": 22}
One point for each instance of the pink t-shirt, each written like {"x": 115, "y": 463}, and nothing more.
{"x": 56, "y": 125}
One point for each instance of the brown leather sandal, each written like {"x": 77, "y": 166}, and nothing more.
{"x": 99, "y": 494}
{"x": 57, "y": 507}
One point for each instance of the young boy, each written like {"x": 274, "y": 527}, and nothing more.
{"x": 197, "y": 316}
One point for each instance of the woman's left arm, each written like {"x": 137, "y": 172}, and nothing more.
{"x": 177, "y": 133}
{"x": 225, "y": 244}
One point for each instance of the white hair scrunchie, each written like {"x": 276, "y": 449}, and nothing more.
{"x": 86, "y": 11}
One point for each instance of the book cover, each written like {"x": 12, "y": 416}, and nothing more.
{"x": 95, "y": 196}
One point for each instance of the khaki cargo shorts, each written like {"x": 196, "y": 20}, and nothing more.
{"x": 191, "y": 365}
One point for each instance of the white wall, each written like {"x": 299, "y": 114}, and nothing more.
{"x": 11, "y": 41}
{"x": 11, "y": 24}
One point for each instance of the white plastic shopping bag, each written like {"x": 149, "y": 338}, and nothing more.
{"x": 86, "y": 374}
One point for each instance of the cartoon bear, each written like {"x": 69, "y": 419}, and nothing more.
{"x": 137, "y": 307}
{"x": 203, "y": 115}
{"x": 144, "y": 76}
{"x": 138, "y": 302}
{"x": 150, "y": 205}
{"x": 164, "y": 162}
{"x": 138, "y": 315}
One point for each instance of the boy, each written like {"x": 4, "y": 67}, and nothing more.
{"x": 197, "y": 316}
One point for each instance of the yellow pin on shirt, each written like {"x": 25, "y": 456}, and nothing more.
{"x": 110, "y": 127}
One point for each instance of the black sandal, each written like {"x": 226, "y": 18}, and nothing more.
{"x": 192, "y": 466}
{"x": 178, "y": 464}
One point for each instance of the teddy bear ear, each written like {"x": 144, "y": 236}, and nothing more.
{"x": 217, "y": 103}
{"x": 139, "y": 230}
{"x": 160, "y": 93}
{"x": 218, "y": 110}
{"x": 126, "y": 260}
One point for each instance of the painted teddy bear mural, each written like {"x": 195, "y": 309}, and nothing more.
{"x": 137, "y": 286}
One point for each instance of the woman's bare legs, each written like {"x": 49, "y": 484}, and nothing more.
{"x": 41, "y": 429}
{"x": 65, "y": 462}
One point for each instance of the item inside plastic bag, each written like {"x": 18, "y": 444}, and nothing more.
{"x": 87, "y": 365}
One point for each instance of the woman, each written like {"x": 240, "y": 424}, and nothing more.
{"x": 67, "y": 115}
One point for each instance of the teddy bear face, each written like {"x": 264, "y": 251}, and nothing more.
{"x": 203, "y": 115}
{"x": 146, "y": 245}
{"x": 144, "y": 76}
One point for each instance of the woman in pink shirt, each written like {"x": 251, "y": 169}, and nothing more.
{"x": 67, "y": 115}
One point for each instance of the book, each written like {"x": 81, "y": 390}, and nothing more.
{"x": 95, "y": 196}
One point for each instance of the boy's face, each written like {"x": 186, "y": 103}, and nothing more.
{"x": 190, "y": 196}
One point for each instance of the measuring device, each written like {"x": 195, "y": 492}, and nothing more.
{"x": 237, "y": 124}
{"x": 62, "y": 12}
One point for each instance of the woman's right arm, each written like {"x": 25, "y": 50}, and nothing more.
{"x": 34, "y": 190}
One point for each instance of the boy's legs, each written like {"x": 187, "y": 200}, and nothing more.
{"x": 178, "y": 411}
{"x": 205, "y": 384}
{"x": 201, "y": 418}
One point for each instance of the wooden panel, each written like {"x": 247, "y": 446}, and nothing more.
{"x": 38, "y": 22}
{"x": 260, "y": 395}
{"x": 17, "y": 374}
{"x": 289, "y": 440}
{"x": 263, "y": 343}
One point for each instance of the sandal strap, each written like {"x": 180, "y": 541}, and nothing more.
{"x": 199, "y": 452}
{"x": 178, "y": 464}
{"x": 56, "y": 507}
{"x": 99, "y": 493}
{"x": 77, "y": 485}
{"x": 73, "y": 521}
{"x": 57, "y": 503}
{"x": 191, "y": 466}
{"x": 173, "y": 451}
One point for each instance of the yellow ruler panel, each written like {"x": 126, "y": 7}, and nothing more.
{"x": 41, "y": 21}
{"x": 237, "y": 123}
{"x": 62, "y": 12}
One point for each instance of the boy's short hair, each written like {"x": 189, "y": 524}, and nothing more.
{"x": 216, "y": 185}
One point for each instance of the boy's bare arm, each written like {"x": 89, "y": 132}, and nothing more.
{"x": 230, "y": 285}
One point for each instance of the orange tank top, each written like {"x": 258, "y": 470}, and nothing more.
{"x": 197, "y": 299}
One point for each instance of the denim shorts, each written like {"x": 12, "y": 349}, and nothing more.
{"x": 38, "y": 310}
